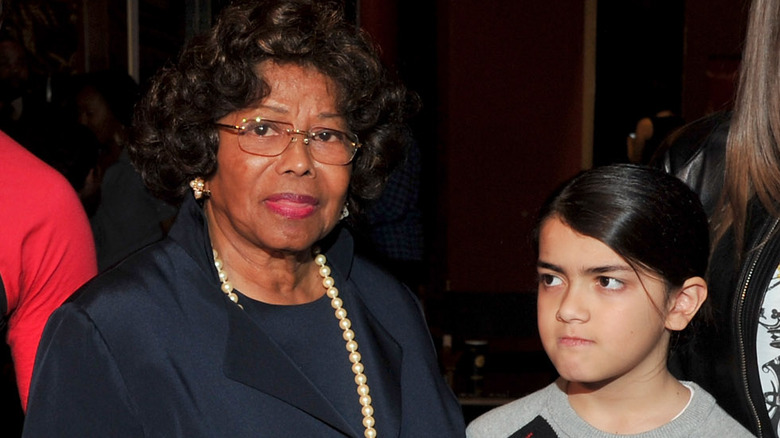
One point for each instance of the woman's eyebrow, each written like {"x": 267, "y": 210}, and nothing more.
{"x": 274, "y": 108}
{"x": 282, "y": 110}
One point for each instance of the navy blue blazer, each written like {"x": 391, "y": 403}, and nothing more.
{"x": 153, "y": 348}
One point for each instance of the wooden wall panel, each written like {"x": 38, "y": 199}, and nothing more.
{"x": 510, "y": 131}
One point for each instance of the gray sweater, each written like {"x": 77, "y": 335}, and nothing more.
{"x": 701, "y": 418}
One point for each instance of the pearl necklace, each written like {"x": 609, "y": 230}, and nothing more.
{"x": 344, "y": 323}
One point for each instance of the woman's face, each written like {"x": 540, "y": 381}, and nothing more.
{"x": 599, "y": 320}
{"x": 285, "y": 203}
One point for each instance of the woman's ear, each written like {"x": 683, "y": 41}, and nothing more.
{"x": 685, "y": 303}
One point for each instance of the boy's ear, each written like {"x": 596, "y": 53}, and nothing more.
{"x": 685, "y": 303}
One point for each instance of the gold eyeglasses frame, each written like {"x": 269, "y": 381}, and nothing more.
{"x": 290, "y": 130}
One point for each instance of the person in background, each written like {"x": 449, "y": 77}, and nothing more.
{"x": 73, "y": 150}
{"x": 14, "y": 83}
{"x": 737, "y": 357}
{"x": 395, "y": 222}
{"x": 695, "y": 153}
{"x": 622, "y": 251}
{"x": 127, "y": 216}
{"x": 652, "y": 130}
{"x": 46, "y": 251}
{"x": 46, "y": 247}
{"x": 104, "y": 103}
{"x": 254, "y": 316}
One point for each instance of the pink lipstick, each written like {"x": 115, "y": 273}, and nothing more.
{"x": 291, "y": 205}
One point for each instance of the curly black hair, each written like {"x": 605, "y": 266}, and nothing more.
{"x": 174, "y": 138}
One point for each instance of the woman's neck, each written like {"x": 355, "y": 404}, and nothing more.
{"x": 623, "y": 407}
{"x": 271, "y": 277}
{"x": 272, "y": 280}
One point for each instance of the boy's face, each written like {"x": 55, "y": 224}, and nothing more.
{"x": 598, "y": 320}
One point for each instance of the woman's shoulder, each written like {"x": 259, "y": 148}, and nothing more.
{"x": 366, "y": 268}
{"x": 149, "y": 278}
{"x": 376, "y": 284}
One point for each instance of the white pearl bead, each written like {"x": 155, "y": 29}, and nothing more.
{"x": 367, "y": 411}
{"x": 324, "y": 271}
{"x": 365, "y": 400}
{"x": 368, "y": 421}
{"x": 348, "y": 335}
{"x": 354, "y": 357}
{"x": 360, "y": 379}
{"x": 341, "y": 314}
{"x": 362, "y": 390}
{"x": 333, "y": 292}
{"x": 369, "y": 433}
{"x": 357, "y": 368}
{"x": 336, "y": 303}
{"x": 352, "y": 346}
{"x": 345, "y": 323}
{"x": 328, "y": 282}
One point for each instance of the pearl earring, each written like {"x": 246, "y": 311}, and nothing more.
{"x": 198, "y": 186}
{"x": 344, "y": 212}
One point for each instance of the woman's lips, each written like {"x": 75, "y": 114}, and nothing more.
{"x": 291, "y": 205}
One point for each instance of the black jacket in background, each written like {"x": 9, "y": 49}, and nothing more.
{"x": 721, "y": 355}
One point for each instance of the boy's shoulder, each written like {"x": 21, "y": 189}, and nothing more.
{"x": 708, "y": 417}
{"x": 509, "y": 418}
{"x": 549, "y": 406}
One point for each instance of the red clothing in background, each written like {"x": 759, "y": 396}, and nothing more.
{"x": 46, "y": 250}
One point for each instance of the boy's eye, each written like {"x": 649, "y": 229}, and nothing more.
{"x": 610, "y": 283}
{"x": 550, "y": 280}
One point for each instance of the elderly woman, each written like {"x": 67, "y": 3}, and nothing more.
{"x": 253, "y": 317}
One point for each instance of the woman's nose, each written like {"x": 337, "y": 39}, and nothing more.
{"x": 296, "y": 158}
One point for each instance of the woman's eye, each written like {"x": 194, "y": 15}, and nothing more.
{"x": 610, "y": 283}
{"x": 261, "y": 129}
{"x": 326, "y": 135}
{"x": 549, "y": 280}
{"x": 264, "y": 129}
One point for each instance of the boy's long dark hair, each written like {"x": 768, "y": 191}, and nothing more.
{"x": 648, "y": 217}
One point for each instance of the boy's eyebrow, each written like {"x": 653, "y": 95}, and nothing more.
{"x": 608, "y": 268}
{"x": 591, "y": 270}
{"x": 550, "y": 266}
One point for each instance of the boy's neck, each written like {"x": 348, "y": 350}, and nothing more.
{"x": 624, "y": 408}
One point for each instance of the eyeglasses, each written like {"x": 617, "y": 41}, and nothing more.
{"x": 269, "y": 138}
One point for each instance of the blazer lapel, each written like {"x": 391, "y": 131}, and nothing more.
{"x": 253, "y": 359}
{"x": 389, "y": 354}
